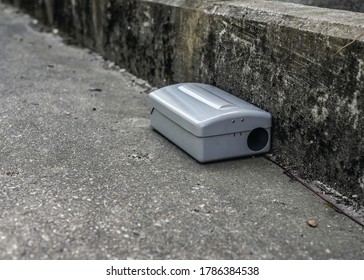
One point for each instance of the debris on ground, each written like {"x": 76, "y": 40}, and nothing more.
{"x": 312, "y": 223}
{"x": 95, "y": 89}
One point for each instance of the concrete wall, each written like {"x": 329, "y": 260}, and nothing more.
{"x": 350, "y": 5}
{"x": 276, "y": 55}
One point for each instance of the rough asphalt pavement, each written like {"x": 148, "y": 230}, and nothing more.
{"x": 83, "y": 176}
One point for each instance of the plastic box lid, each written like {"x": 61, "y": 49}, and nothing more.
{"x": 205, "y": 110}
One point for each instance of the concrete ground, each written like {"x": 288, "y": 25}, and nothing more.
{"x": 83, "y": 176}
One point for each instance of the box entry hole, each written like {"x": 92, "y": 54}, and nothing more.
{"x": 258, "y": 139}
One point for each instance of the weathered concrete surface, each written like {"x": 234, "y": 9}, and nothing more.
{"x": 84, "y": 183}
{"x": 279, "y": 56}
{"x": 350, "y": 5}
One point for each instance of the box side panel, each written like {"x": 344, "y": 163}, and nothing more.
{"x": 192, "y": 145}
{"x": 231, "y": 146}
{"x": 205, "y": 149}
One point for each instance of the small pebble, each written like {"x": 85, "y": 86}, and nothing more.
{"x": 312, "y": 223}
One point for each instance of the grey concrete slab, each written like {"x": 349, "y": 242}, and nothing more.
{"x": 83, "y": 176}
{"x": 350, "y": 5}
{"x": 303, "y": 64}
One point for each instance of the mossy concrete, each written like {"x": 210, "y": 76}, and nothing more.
{"x": 285, "y": 58}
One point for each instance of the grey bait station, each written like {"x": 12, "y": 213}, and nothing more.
{"x": 208, "y": 123}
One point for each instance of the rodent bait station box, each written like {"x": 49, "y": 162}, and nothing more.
{"x": 208, "y": 123}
